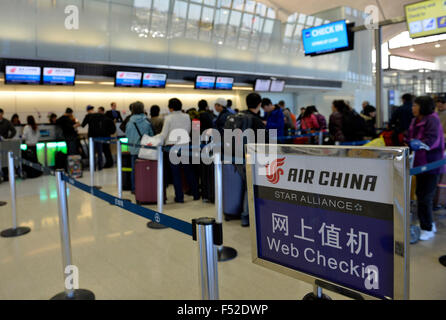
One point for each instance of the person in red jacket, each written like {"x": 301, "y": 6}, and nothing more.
{"x": 309, "y": 121}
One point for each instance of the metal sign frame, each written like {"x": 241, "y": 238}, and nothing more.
{"x": 401, "y": 209}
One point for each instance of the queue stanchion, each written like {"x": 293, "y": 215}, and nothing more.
{"x": 321, "y": 138}
{"x": 14, "y": 231}
{"x": 70, "y": 292}
{"x": 207, "y": 257}
{"x": 160, "y": 190}
{"x": 224, "y": 253}
{"x": 119, "y": 168}
{"x": 92, "y": 162}
{"x": 317, "y": 294}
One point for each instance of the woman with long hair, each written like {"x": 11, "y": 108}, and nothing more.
{"x": 30, "y": 133}
{"x": 309, "y": 121}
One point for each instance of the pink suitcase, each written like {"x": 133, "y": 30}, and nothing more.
{"x": 146, "y": 181}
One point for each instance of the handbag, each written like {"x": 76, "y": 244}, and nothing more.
{"x": 146, "y": 140}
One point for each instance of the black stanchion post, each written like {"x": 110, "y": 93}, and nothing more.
{"x": 224, "y": 253}
{"x": 14, "y": 231}
{"x": 69, "y": 293}
{"x": 208, "y": 258}
{"x": 160, "y": 190}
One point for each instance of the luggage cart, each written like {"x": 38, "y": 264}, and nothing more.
{"x": 5, "y": 147}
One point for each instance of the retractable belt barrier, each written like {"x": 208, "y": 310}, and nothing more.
{"x": 173, "y": 223}
{"x": 206, "y": 231}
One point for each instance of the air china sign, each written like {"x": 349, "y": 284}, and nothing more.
{"x": 331, "y": 218}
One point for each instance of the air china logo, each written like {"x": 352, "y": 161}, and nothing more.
{"x": 12, "y": 70}
{"x": 50, "y": 71}
{"x": 121, "y": 75}
{"x": 273, "y": 170}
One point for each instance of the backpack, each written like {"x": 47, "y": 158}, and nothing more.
{"x": 353, "y": 126}
{"x": 242, "y": 121}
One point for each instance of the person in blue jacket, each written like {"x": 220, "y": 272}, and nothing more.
{"x": 136, "y": 128}
{"x": 275, "y": 119}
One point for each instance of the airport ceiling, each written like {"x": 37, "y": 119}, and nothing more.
{"x": 388, "y": 9}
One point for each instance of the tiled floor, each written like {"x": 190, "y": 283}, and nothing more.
{"x": 119, "y": 258}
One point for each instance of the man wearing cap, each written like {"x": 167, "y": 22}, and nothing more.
{"x": 223, "y": 114}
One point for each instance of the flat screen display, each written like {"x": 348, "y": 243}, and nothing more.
{"x": 22, "y": 75}
{"x": 59, "y": 76}
{"x": 205, "y": 82}
{"x": 128, "y": 79}
{"x": 426, "y": 18}
{"x": 262, "y": 85}
{"x": 154, "y": 80}
{"x": 277, "y": 86}
{"x": 223, "y": 83}
{"x": 332, "y": 37}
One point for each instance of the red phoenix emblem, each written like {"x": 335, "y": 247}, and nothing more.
{"x": 273, "y": 170}
{"x": 50, "y": 71}
{"x": 12, "y": 70}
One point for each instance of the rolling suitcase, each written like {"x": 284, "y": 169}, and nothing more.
{"x": 126, "y": 171}
{"x": 31, "y": 156}
{"x": 146, "y": 181}
{"x": 61, "y": 160}
{"x": 74, "y": 166}
{"x": 233, "y": 192}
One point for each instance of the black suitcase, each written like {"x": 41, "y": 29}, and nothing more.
{"x": 126, "y": 171}
{"x": 207, "y": 182}
{"x": 30, "y": 155}
{"x": 233, "y": 192}
{"x": 61, "y": 160}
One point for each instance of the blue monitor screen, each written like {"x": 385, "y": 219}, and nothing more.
{"x": 128, "y": 79}
{"x": 58, "y": 76}
{"x": 205, "y": 82}
{"x": 22, "y": 75}
{"x": 154, "y": 80}
{"x": 326, "y": 38}
{"x": 224, "y": 83}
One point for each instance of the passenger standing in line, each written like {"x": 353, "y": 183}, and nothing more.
{"x": 95, "y": 122}
{"x": 252, "y": 119}
{"x": 426, "y": 138}
{"x": 275, "y": 118}
{"x": 137, "y": 126}
{"x": 229, "y": 107}
{"x": 156, "y": 120}
{"x": 109, "y": 128}
{"x": 369, "y": 116}
{"x": 15, "y": 120}
{"x": 68, "y": 125}
{"x": 7, "y": 130}
{"x": 114, "y": 114}
{"x": 335, "y": 124}
{"x": 123, "y": 125}
{"x": 402, "y": 117}
{"x": 320, "y": 118}
{"x": 309, "y": 121}
{"x": 289, "y": 125}
{"x": 223, "y": 114}
{"x": 31, "y": 134}
{"x": 206, "y": 119}
{"x": 175, "y": 120}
